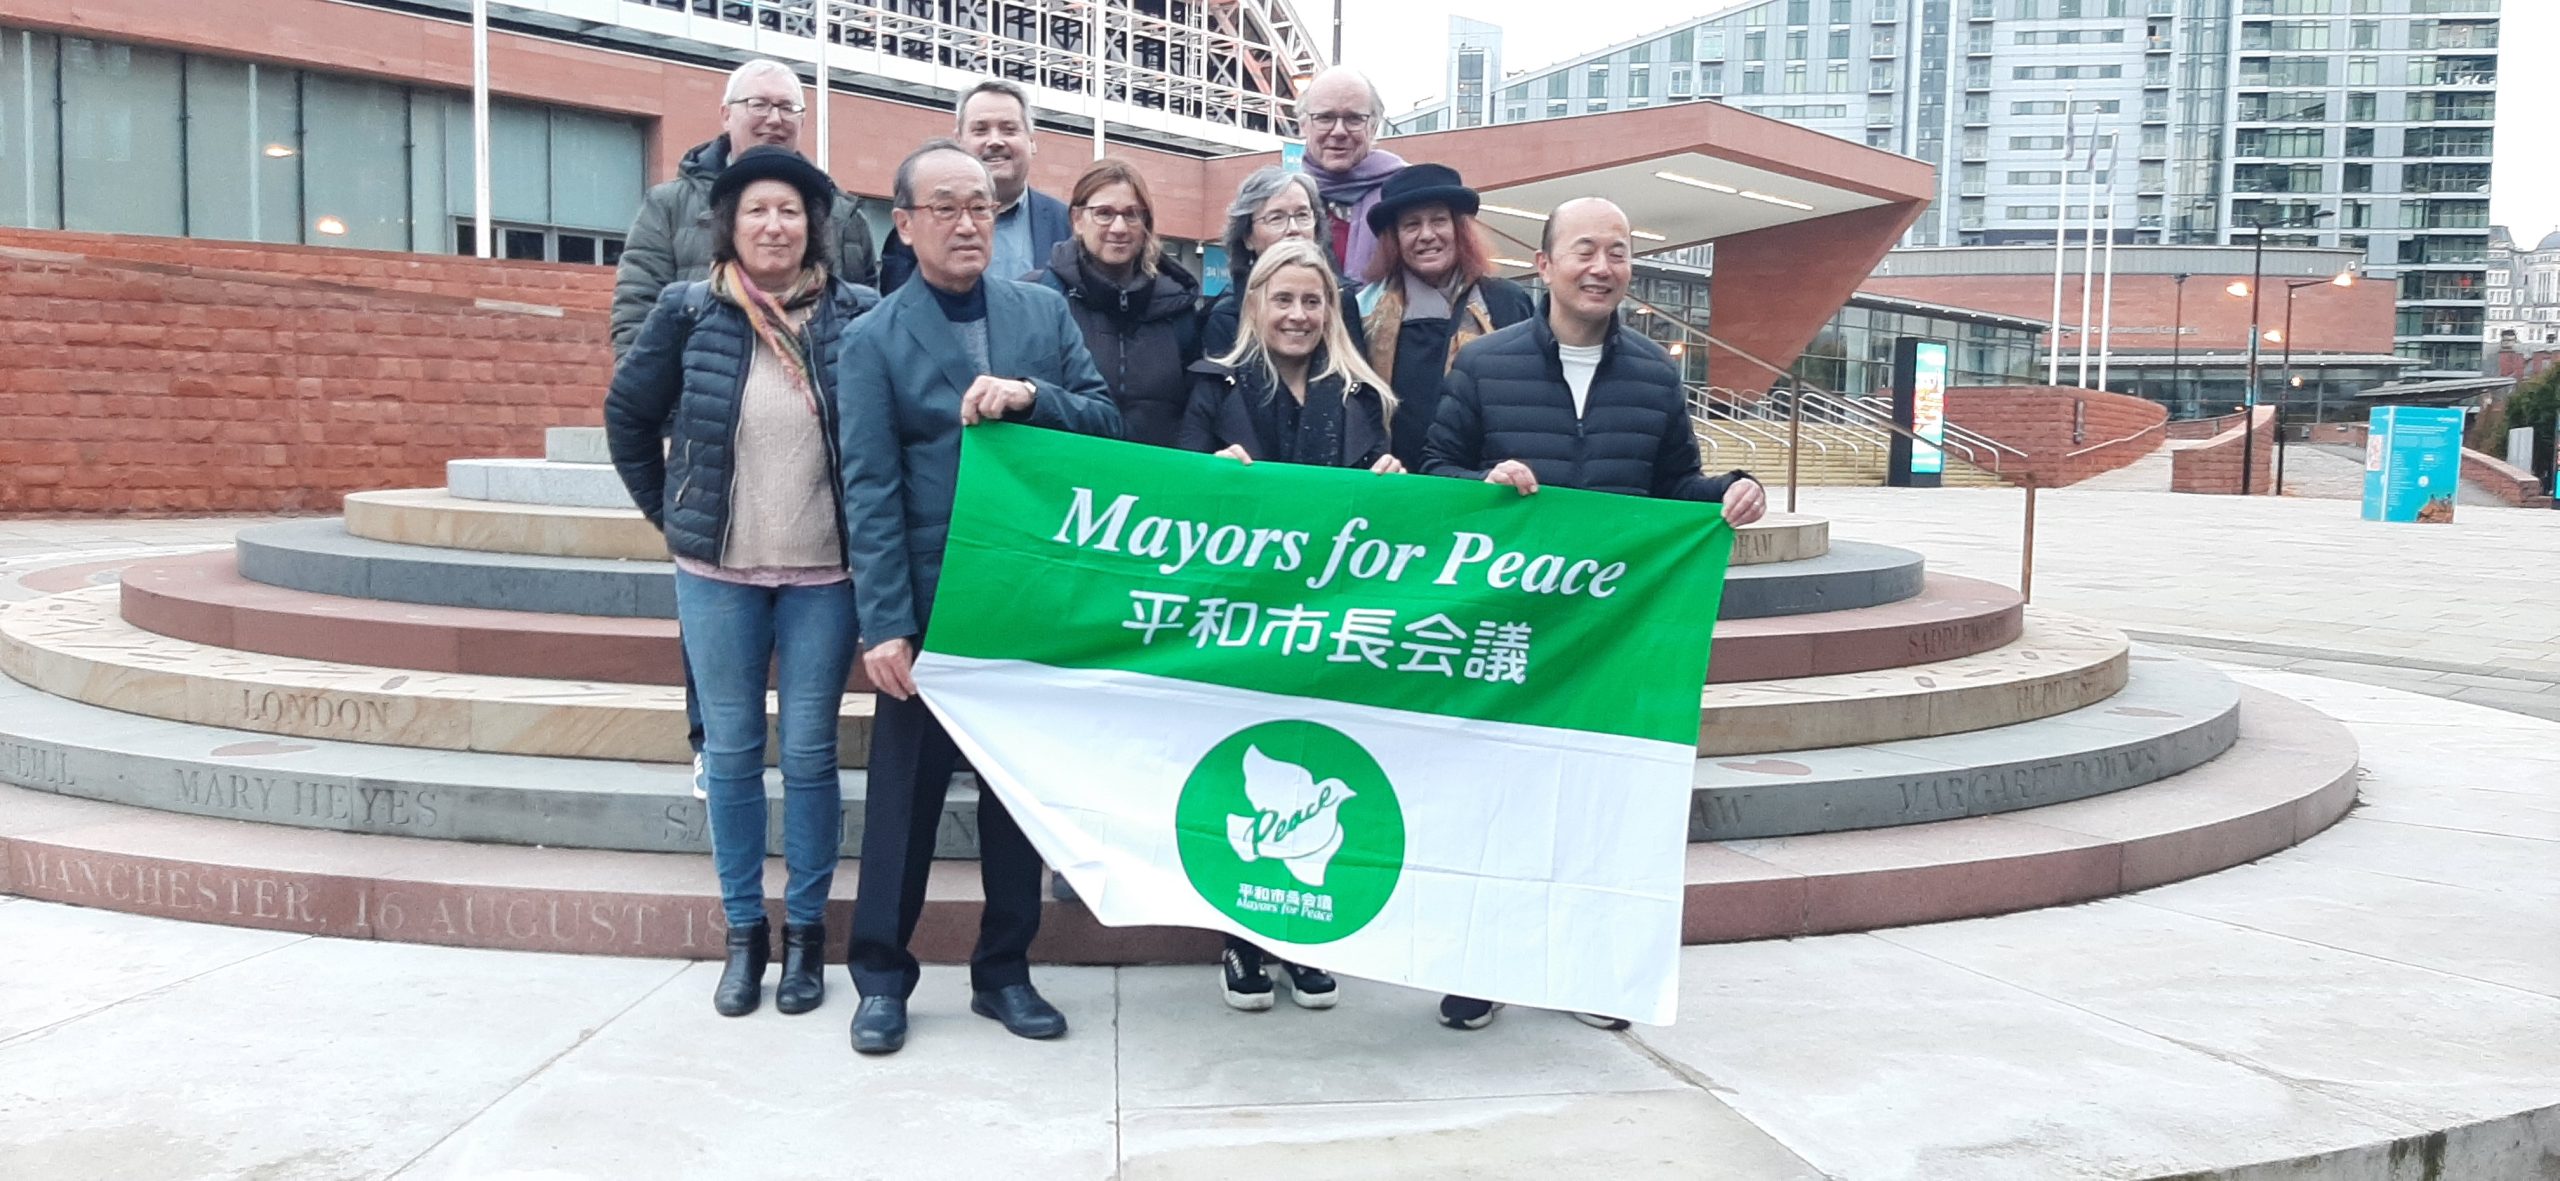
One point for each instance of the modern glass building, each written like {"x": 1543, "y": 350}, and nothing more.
{"x": 2207, "y": 118}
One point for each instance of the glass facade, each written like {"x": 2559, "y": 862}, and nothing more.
{"x": 114, "y": 138}
{"x": 1853, "y": 354}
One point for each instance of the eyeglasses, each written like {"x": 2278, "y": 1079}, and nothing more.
{"x": 761, "y": 107}
{"x": 1105, "y": 215}
{"x": 1346, "y": 120}
{"x": 1288, "y": 219}
{"x": 949, "y": 214}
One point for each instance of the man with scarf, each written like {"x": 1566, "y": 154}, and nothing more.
{"x": 1340, "y": 114}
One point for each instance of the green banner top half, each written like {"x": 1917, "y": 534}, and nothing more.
{"x": 1576, "y": 610}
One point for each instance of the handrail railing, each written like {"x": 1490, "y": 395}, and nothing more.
{"x": 1952, "y": 429}
{"x": 2161, "y": 426}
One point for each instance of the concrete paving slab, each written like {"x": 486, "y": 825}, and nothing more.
{"x": 671, "y": 1089}
{"x": 217, "y": 1076}
{"x": 68, "y": 963}
{"x": 1636, "y": 1136}
{"x": 1183, "y": 1047}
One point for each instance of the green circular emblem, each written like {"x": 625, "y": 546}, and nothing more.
{"x": 1291, "y": 829}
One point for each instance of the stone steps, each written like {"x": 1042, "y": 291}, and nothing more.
{"x": 437, "y": 518}
{"x": 537, "y": 482}
{"x": 2290, "y": 775}
{"x": 75, "y": 645}
{"x": 2172, "y": 715}
{"x": 320, "y": 556}
{"x": 202, "y": 598}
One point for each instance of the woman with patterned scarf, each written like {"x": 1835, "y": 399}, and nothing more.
{"x": 723, "y": 427}
{"x": 1431, "y": 290}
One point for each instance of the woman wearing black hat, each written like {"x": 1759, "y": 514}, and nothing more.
{"x": 723, "y": 426}
{"x": 1431, "y": 290}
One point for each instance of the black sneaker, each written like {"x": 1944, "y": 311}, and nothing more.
{"x": 1597, "y": 1021}
{"x": 1311, "y": 988}
{"x": 1248, "y": 986}
{"x": 1466, "y": 1012}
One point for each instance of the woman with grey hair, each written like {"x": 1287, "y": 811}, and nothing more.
{"x": 1273, "y": 205}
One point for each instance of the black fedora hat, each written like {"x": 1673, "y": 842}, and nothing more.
{"x": 1418, "y": 185}
{"x": 775, "y": 162}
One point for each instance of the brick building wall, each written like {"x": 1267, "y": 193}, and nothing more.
{"x": 169, "y": 386}
{"x": 2326, "y": 319}
{"x": 2049, "y": 423}
{"x": 571, "y": 287}
{"x": 2212, "y": 465}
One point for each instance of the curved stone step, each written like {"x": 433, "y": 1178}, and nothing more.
{"x": 575, "y": 444}
{"x": 537, "y": 481}
{"x": 203, "y": 598}
{"x": 2172, "y": 715}
{"x": 320, "y": 556}
{"x": 56, "y": 744}
{"x": 75, "y": 645}
{"x": 2290, "y": 775}
{"x": 435, "y": 517}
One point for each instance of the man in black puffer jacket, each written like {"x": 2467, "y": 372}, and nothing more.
{"x": 1575, "y": 399}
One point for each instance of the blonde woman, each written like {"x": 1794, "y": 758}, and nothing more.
{"x": 1292, "y": 389}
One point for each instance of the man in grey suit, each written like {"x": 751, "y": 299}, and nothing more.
{"x": 954, "y": 350}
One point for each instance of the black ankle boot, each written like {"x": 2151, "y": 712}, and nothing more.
{"x": 804, "y": 968}
{"x": 741, "y": 986}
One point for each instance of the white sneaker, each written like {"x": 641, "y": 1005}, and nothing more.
{"x": 699, "y": 791}
{"x": 1597, "y": 1021}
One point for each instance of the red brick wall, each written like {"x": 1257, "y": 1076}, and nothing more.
{"x": 562, "y": 285}
{"x": 155, "y": 387}
{"x": 2352, "y": 434}
{"x": 2212, "y": 466}
{"x": 2508, "y": 483}
{"x": 2112, "y": 429}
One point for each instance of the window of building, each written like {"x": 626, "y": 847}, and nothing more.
{"x": 1558, "y": 108}
{"x": 1680, "y": 87}
{"x": 1880, "y": 76}
{"x": 1711, "y": 79}
{"x": 1835, "y": 77}
{"x": 1639, "y": 81}
{"x": 1596, "y": 81}
{"x": 2048, "y": 177}
{"x": 244, "y": 150}
{"x": 2035, "y": 143}
{"x": 2355, "y": 215}
{"x": 2359, "y": 141}
{"x": 1796, "y": 45}
{"x": 1755, "y": 46}
{"x": 1839, "y": 43}
{"x": 1753, "y": 81}
{"x": 1799, "y": 11}
{"x": 1515, "y": 113}
{"x": 1711, "y": 45}
{"x": 2031, "y": 212}
{"x": 2361, "y": 105}
{"x": 1840, "y": 11}
{"x": 1795, "y": 78}
{"x": 2066, "y": 9}
{"x": 2281, "y": 141}
{"x": 1683, "y": 46}
{"x": 122, "y": 156}
{"x": 2363, "y": 69}
{"x": 2364, "y": 35}
{"x": 1559, "y": 84}
{"x": 2355, "y": 178}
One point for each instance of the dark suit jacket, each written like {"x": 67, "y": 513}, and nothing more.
{"x": 900, "y": 372}
{"x": 1049, "y": 226}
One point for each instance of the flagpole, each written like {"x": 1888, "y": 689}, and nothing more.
{"x": 2061, "y": 220}
{"x": 1098, "y": 133}
{"x": 2107, "y": 318}
{"x": 826, "y": 126}
{"x": 2088, "y": 250}
{"x": 480, "y": 128}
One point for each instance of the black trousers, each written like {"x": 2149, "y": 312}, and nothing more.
{"x": 912, "y": 759}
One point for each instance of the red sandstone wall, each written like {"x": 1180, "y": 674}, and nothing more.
{"x": 2326, "y": 319}
{"x": 2212, "y": 465}
{"x": 162, "y": 387}
{"x": 2112, "y": 429}
{"x": 2503, "y": 480}
{"x": 571, "y": 287}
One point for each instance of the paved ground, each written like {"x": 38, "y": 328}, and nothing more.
{"x": 2396, "y": 975}
{"x": 2334, "y": 472}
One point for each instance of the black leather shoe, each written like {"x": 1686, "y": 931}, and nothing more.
{"x": 804, "y": 968}
{"x": 741, "y": 986}
{"x": 1023, "y": 1012}
{"x": 880, "y": 1025}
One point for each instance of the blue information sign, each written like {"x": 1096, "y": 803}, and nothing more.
{"x": 2413, "y": 463}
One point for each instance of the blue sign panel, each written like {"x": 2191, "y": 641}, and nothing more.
{"x": 1929, "y": 406}
{"x": 2413, "y": 463}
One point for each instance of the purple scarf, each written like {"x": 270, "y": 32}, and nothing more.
{"x": 1358, "y": 189}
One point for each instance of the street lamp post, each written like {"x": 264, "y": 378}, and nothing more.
{"x": 2257, "y": 274}
{"x": 2177, "y": 343}
{"x": 2292, "y": 287}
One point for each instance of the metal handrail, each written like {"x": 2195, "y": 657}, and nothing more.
{"x": 1744, "y": 416}
{"x": 2161, "y": 426}
{"x": 1955, "y": 430}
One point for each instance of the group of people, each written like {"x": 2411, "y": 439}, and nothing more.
{"x": 787, "y": 405}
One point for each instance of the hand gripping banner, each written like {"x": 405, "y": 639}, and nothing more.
{"x": 1411, "y": 729}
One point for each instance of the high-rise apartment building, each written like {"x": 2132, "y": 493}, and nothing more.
{"x": 2210, "y": 118}
{"x": 1473, "y": 67}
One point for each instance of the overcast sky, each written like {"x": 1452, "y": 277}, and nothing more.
{"x": 1402, "y": 43}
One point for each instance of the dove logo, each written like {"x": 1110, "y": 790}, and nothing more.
{"x": 1291, "y": 829}
{"x": 1297, "y": 821}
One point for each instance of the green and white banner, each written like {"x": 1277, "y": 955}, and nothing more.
{"x": 1410, "y": 729}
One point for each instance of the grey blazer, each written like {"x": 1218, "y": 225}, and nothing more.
{"x": 900, "y": 371}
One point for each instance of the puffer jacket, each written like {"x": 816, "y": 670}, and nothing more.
{"x": 670, "y": 240}
{"x": 1227, "y": 409}
{"x": 1143, "y": 337}
{"x": 681, "y": 381}
{"x": 1506, "y": 398}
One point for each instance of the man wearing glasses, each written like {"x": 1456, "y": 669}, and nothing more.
{"x": 992, "y": 121}
{"x": 1339, "y": 114}
{"x": 670, "y": 241}
{"x": 956, "y": 347}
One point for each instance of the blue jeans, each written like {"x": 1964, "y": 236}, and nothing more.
{"x": 733, "y": 634}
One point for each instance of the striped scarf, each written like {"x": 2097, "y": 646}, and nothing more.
{"x": 771, "y": 317}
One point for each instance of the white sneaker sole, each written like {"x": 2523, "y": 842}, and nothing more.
{"x": 1476, "y": 1023}
{"x": 1246, "y": 1002}
{"x": 1598, "y": 1021}
{"x": 1314, "y": 1000}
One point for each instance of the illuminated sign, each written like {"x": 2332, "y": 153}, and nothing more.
{"x": 1929, "y": 406}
